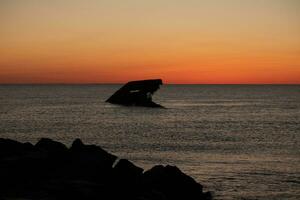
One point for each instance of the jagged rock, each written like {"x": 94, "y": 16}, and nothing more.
{"x": 77, "y": 144}
{"x": 126, "y": 168}
{"x": 49, "y": 170}
{"x": 126, "y": 172}
{"x": 13, "y": 148}
{"x": 170, "y": 181}
{"x": 90, "y": 162}
{"x": 51, "y": 146}
{"x": 91, "y": 154}
{"x": 137, "y": 93}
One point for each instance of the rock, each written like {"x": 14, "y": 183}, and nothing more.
{"x": 75, "y": 189}
{"x": 127, "y": 168}
{"x": 10, "y": 148}
{"x": 91, "y": 154}
{"x": 49, "y": 170}
{"x": 127, "y": 172}
{"x": 90, "y": 162}
{"x": 137, "y": 93}
{"x": 170, "y": 181}
{"x": 51, "y": 146}
{"x": 77, "y": 144}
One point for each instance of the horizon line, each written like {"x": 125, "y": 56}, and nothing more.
{"x": 122, "y": 83}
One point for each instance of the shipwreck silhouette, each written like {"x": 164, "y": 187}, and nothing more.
{"x": 137, "y": 93}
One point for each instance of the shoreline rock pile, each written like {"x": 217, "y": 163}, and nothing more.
{"x": 49, "y": 170}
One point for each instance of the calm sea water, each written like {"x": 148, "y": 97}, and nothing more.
{"x": 240, "y": 141}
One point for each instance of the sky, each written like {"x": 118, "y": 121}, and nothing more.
{"x": 180, "y": 41}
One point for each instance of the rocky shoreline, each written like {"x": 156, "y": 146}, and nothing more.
{"x": 50, "y": 170}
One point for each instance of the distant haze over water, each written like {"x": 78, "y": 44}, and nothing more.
{"x": 240, "y": 141}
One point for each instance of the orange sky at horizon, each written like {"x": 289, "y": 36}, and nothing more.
{"x": 191, "y": 41}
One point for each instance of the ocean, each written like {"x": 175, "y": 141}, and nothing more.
{"x": 239, "y": 141}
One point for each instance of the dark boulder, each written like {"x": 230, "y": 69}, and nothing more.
{"x": 77, "y": 144}
{"x": 91, "y": 154}
{"x": 49, "y": 170}
{"x": 51, "y": 146}
{"x": 170, "y": 181}
{"x": 90, "y": 162}
{"x": 10, "y": 148}
{"x": 126, "y": 173}
{"x": 126, "y": 168}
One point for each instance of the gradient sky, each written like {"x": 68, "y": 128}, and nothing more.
{"x": 180, "y": 41}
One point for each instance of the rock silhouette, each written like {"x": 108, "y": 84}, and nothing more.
{"x": 49, "y": 170}
{"x": 137, "y": 93}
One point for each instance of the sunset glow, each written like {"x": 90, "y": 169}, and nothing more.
{"x": 180, "y": 41}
